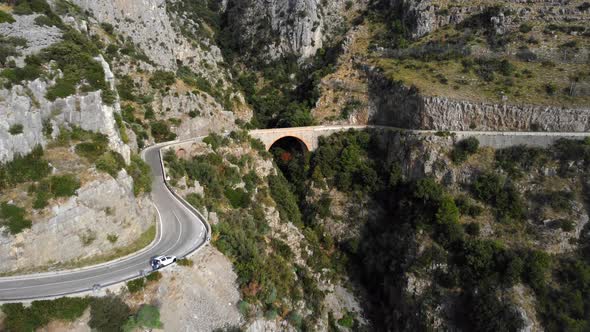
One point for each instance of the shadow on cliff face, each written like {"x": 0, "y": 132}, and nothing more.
{"x": 393, "y": 104}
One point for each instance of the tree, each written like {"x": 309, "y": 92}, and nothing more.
{"x": 148, "y": 317}
{"x": 428, "y": 189}
{"x": 108, "y": 314}
{"x": 447, "y": 219}
{"x": 537, "y": 267}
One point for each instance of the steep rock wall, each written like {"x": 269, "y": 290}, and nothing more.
{"x": 27, "y": 105}
{"x": 149, "y": 25}
{"x": 63, "y": 234}
{"x": 271, "y": 29}
{"x": 393, "y": 104}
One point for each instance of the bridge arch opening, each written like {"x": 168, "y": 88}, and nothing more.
{"x": 291, "y": 155}
{"x": 290, "y": 143}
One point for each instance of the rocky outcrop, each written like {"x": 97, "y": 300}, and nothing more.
{"x": 271, "y": 29}
{"x": 38, "y": 37}
{"x": 26, "y": 105}
{"x": 421, "y": 17}
{"x": 148, "y": 24}
{"x": 211, "y": 117}
{"x": 393, "y": 104}
{"x": 78, "y": 227}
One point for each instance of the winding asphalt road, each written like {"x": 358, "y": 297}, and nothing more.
{"x": 181, "y": 231}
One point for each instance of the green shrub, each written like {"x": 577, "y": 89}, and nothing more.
{"x": 161, "y": 79}
{"x": 501, "y": 194}
{"x": 550, "y": 88}
{"x": 40, "y": 313}
{"x": 74, "y": 56}
{"x": 6, "y": 17}
{"x": 154, "y": 276}
{"x": 109, "y": 96}
{"x": 428, "y": 190}
{"x": 94, "y": 149}
{"x": 16, "y": 129}
{"x": 571, "y": 150}
{"x": 107, "y": 27}
{"x": 525, "y": 27}
{"x": 447, "y": 222}
{"x": 108, "y": 314}
{"x": 238, "y": 198}
{"x": 567, "y": 225}
{"x": 196, "y": 201}
{"x": 184, "y": 262}
{"x": 136, "y": 285}
{"x": 149, "y": 317}
{"x": 346, "y": 321}
{"x": 122, "y": 128}
{"x": 466, "y": 207}
{"x": 344, "y": 160}
{"x": 21, "y": 169}
{"x": 487, "y": 313}
{"x": 44, "y": 20}
{"x": 112, "y": 238}
{"x": 126, "y": 88}
{"x": 161, "y": 131}
{"x": 64, "y": 185}
{"x": 472, "y": 229}
{"x": 196, "y": 80}
{"x": 517, "y": 159}
{"x": 464, "y": 148}
{"x": 295, "y": 319}
{"x": 42, "y": 199}
{"x": 216, "y": 141}
{"x": 63, "y": 88}
{"x": 537, "y": 266}
{"x": 286, "y": 201}
{"x": 13, "y": 217}
{"x": 110, "y": 162}
{"x": 141, "y": 173}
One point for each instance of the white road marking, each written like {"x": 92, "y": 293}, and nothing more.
{"x": 179, "y": 233}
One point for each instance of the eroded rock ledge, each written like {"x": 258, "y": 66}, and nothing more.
{"x": 393, "y": 104}
{"x": 79, "y": 227}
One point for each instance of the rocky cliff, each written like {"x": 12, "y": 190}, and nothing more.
{"x": 104, "y": 216}
{"x": 393, "y": 104}
{"x": 148, "y": 24}
{"x": 269, "y": 30}
{"x": 28, "y": 106}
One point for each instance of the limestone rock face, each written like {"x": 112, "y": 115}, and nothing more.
{"x": 78, "y": 227}
{"x": 393, "y": 104}
{"x": 38, "y": 37}
{"x": 211, "y": 116}
{"x": 422, "y": 17}
{"x": 150, "y": 26}
{"x": 275, "y": 28}
{"x": 27, "y": 105}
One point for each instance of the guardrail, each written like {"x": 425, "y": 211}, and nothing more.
{"x": 196, "y": 212}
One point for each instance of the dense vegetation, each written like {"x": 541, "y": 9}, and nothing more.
{"x": 107, "y": 314}
{"x": 40, "y": 313}
{"x": 74, "y": 56}
{"x": 13, "y": 218}
{"x": 31, "y": 167}
{"x": 268, "y": 279}
{"x": 449, "y": 60}
{"x": 470, "y": 271}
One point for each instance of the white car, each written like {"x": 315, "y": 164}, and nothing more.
{"x": 162, "y": 261}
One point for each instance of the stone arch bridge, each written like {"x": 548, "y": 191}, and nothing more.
{"x": 309, "y": 137}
